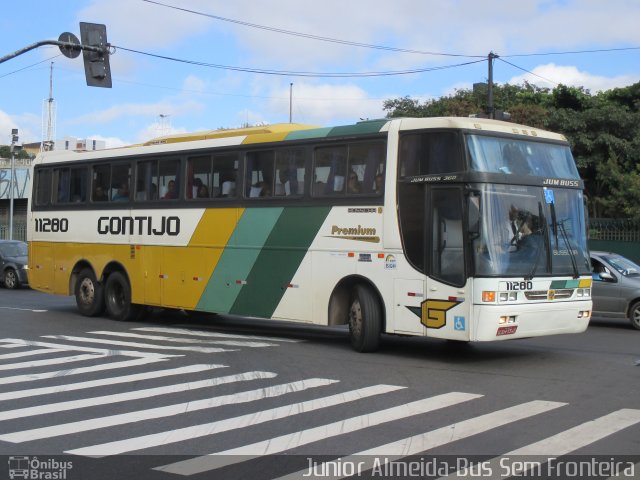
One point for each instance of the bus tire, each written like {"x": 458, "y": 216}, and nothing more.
{"x": 89, "y": 294}
{"x": 117, "y": 296}
{"x": 634, "y": 315}
{"x": 365, "y": 320}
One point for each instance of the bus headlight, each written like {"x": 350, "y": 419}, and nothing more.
{"x": 583, "y": 292}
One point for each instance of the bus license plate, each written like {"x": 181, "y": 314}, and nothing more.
{"x": 510, "y": 330}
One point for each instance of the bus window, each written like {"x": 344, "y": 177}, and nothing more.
{"x": 120, "y": 183}
{"x": 329, "y": 170}
{"x": 43, "y": 187}
{"x": 101, "y": 179}
{"x": 224, "y": 175}
{"x": 447, "y": 241}
{"x": 260, "y": 169}
{"x": 61, "y": 185}
{"x": 199, "y": 177}
{"x": 147, "y": 181}
{"x": 366, "y": 162}
{"x": 429, "y": 153}
{"x": 290, "y": 168}
{"x": 168, "y": 179}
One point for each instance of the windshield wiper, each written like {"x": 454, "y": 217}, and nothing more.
{"x": 565, "y": 237}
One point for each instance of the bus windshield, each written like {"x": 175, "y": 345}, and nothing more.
{"x": 524, "y": 234}
{"x": 520, "y": 157}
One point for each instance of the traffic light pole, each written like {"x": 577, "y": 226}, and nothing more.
{"x": 66, "y": 45}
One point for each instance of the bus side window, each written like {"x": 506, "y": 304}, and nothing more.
{"x": 366, "y": 163}
{"x": 260, "y": 174}
{"x": 290, "y": 169}
{"x": 329, "y": 171}
{"x": 447, "y": 240}
{"x": 169, "y": 179}
{"x": 43, "y": 187}
{"x": 225, "y": 175}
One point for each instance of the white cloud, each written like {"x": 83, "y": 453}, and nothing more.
{"x": 570, "y": 75}
{"x": 110, "y": 142}
{"x": 116, "y": 112}
{"x": 321, "y": 103}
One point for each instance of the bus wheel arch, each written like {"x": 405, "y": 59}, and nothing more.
{"x": 89, "y": 292}
{"x": 357, "y": 302}
{"x": 117, "y": 294}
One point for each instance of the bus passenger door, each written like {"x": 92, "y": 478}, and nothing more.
{"x": 447, "y": 305}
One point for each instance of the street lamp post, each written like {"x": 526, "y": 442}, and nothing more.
{"x": 14, "y": 140}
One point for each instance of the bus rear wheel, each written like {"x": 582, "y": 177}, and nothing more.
{"x": 89, "y": 296}
{"x": 117, "y": 295}
{"x": 365, "y": 320}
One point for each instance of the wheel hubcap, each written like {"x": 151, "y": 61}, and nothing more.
{"x": 10, "y": 279}
{"x": 87, "y": 291}
{"x": 635, "y": 316}
{"x": 355, "y": 318}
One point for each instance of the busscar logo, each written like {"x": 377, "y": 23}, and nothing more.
{"x": 360, "y": 233}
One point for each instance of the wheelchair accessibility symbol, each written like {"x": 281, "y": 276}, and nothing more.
{"x": 459, "y": 323}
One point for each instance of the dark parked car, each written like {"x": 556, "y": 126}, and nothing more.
{"x": 13, "y": 263}
{"x": 616, "y": 287}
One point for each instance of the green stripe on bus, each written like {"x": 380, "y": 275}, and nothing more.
{"x": 305, "y": 134}
{"x": 238, "y": 258}
{"x": 279, "y": 260}
{"x": 360, "y": 128}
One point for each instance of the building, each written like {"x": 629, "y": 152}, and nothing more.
{"x": 79, "y": 144}
{"x": 21, "y": 193}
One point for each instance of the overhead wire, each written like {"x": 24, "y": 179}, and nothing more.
{"x": 293, "y": 73}
{"x": 311, "y": 36}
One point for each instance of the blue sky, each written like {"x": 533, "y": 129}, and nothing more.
{"x": 152, "y": 96}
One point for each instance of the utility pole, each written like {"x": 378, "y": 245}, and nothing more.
{"x": 14, "y": 140}
{"x": 291, "y": 102}
{"x": 490, "y": 108}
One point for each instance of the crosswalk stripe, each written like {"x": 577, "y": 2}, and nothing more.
{"x": 79, "y": 348}
{"x": 243, "y": 421}
{"x": 50, "y": 361}
{"x": 565, "y": 442}
{"x": 131, "y": 395}
{"x": 303, "y": 437}
{"x": 136, "y": 344}
{"x": 68, "y": 387}
{"x": 160, "y": 412}
{"x": 228, "y": 343}
{"x": 204, "y": 333}
{"x": 581, "y": 435}
{"x": 29, "y": 353}
{"x": 425, "y": 441}
{"x": 76, "y": 371}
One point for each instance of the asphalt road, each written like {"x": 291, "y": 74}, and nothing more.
{"x": 91, "y": 397}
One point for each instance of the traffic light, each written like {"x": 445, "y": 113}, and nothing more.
{"x": 96, "y": 64}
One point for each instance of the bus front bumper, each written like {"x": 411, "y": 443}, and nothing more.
{"x": 501, "y": 322}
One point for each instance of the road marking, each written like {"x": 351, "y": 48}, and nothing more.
{"x": 29, "y": 353}
{"x": 243, "y": 421}
{"x": 161, "y": 412}
{"x": 24, "y": 309}
{"x": 76, "y": 371}
{"x": 77, "y": 348}
{"x": 229, "y": 343}
{"x": 131, "y": 395}
{"x": 33, "y": 392}
{"x": 50, "y": 361}
{"x": 137, "y": 344}
{"x": 565, "y": 442}
{"x": 204, "y": 333}
{"x": 425, "y": 441}
{"x": 303, "y": 437}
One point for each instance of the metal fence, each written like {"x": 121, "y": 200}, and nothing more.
{"x": 619, "y": 230}
{"x": 19, "y": 232}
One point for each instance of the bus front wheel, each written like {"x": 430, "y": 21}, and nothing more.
{"x": 117, "y": 297}
{"x": 89, "y": 296}
{"x": 365, "y": 320}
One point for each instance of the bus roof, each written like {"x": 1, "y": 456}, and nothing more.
{"x": 287, "y": 132}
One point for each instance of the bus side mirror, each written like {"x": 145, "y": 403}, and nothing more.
{"x": 473, "y": 209}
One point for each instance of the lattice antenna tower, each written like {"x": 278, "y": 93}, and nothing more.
{"x": 49, "y": 118}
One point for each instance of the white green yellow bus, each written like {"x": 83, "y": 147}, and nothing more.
{"x": 455, "y": 228}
